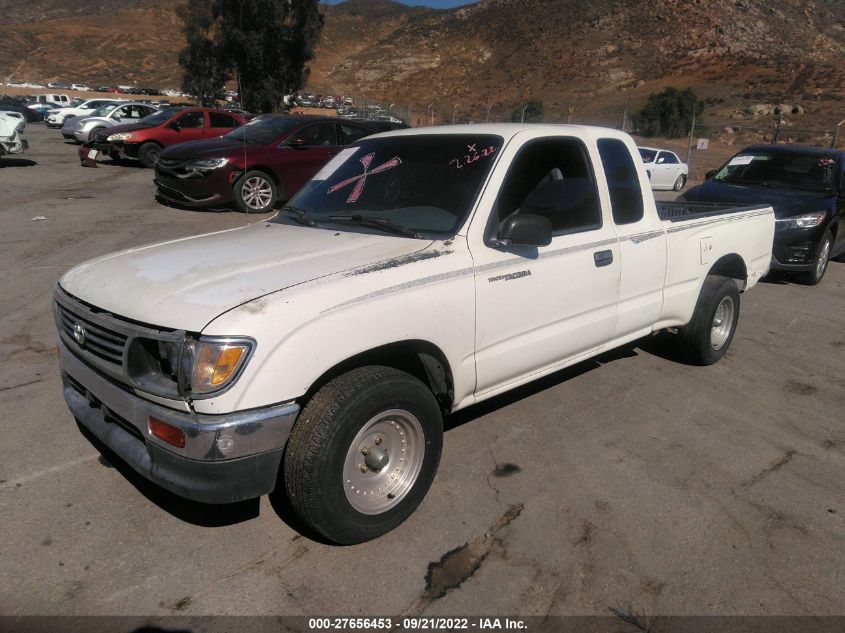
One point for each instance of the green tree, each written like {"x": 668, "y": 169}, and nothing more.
{"x": 204, "y": 74}
{"x": 668, "y": 114}
{"x": 264, "y": 44}
{"x": 533, "y": 112}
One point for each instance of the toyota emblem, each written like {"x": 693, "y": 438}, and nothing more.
{"x": 79, "y": 334}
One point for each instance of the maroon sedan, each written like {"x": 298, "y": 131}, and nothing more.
{"x": 256, "y": 165}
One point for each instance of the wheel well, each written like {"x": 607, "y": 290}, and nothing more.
{"x": 421, "y": 359}
{"x": 730, "y": 266}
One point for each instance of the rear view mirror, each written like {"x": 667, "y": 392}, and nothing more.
{"x": 526, "y": 230}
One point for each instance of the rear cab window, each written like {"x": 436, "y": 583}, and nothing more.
{"x": 623, "y": 181}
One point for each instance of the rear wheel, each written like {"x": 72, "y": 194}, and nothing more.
{"x": 255, "y": 192}
{"x": 148, "y": 154}
{"x": 814, "y": 276}
{"x": 363, "y": 454}
{"x": 679, "y": 183}
{"x": 707, "y": 336}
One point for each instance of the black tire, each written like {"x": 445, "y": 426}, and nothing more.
{"x": 703, "y": 339}
{"x": 256, "y": 192}
{"x": 326, "y": 436}
{"x": 820, "y": 262}
{"x": 148, "y": 154}
{"x": 679, "y": 183}
{"x": 93, "y": 133}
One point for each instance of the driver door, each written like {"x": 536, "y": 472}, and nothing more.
{"x": 539, "y": 307}
{"x": 303, "y": 153}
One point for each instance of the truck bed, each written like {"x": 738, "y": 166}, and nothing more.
{"x": 682, "y": 211}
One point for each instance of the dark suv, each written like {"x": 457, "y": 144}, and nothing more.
{"x": 256, "y": 165}
{"x": 806, "y": 188}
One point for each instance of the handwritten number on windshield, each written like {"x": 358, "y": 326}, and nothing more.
{"x": 472, "y": 156}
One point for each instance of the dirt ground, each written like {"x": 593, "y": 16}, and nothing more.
{"x": 630, "y": 479}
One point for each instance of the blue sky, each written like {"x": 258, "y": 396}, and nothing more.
{"x": 436, "y": 4}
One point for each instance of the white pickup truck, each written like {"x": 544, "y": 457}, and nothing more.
{"x": 418, "y": 273}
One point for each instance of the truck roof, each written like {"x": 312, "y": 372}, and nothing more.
{"x": 509, "y": 130}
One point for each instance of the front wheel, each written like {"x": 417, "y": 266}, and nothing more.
{"x": 706, "y": 338}
{"x": 255, "y": 192}
{"x": 148, "y": 154}
{"x": 679, "y": 183}
{"x": 363, "y": 454}
{"x": 93, "y": 133}
{"x": 814, "y": 276}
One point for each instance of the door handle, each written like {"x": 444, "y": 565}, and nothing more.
{"x": 603, "y": 258}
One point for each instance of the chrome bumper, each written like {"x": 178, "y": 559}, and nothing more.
{"x": 226, "y": 457}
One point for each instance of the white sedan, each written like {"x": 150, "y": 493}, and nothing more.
{"x": 665, "y": 169}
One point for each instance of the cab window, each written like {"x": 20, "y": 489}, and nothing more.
{"x": 350, "y": 133}
{"x": 623, "y": 182}
{"x": 552, "y": 178}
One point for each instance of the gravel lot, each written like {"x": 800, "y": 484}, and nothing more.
{"x": 633, "y": 478}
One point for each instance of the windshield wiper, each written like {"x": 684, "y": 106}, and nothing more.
{"x": 378, "y": 223}
{"x": 300, "y": 215}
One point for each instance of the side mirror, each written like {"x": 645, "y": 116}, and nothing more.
{"x": 524, "y": 229}
{"x": 176, "y": 126}
{"x": 660, "y": 161}
{"x": 298, "y": 143}
{"x": 709, "y": 174}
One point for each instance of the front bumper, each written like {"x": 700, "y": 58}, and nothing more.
{"x": 795, "y": 250}
{"x": 226, "y": 458}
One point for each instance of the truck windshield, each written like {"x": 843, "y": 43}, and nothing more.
{"x": 785, "y": 170}
{"x": 419, "y": 184}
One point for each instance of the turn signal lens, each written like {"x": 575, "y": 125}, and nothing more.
{"x": 215, "y": 364}
{"x": 167, "y": 432}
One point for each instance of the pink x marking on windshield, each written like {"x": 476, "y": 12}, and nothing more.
{"x": 361, "y": 179}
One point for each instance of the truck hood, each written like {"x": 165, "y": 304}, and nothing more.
{"x": 785, "y": 202}
{"x": 185, "y": 284}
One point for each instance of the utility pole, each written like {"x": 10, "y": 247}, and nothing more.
{"x": 454, "y": 110}
{"x": 571, "y": 112}
{"x": 689, "y": 145}
{"x": 490, "y": 107}
{"x": 522, "y": 116}
{"x": 428, "y": 114}
{"x": 625, "y": 116}
{"x": 777, "y": 125}
{"x": 836, "y": 134}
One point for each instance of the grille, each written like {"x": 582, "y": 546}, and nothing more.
{"x": 100, "y": 341}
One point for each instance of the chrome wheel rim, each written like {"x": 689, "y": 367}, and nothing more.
{"x": 257, "y": 193}
{"x": 384, "y": 461}
{"x": 824, "y": 255}
{"x": 723, "y": 321}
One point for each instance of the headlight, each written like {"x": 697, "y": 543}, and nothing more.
{"x": 806, "y": 221}
{"x": 180, "y": 367}
{"x": 120, "y": 136}
{"x": 215, "y": 363}
{"x": 207, "y": 163}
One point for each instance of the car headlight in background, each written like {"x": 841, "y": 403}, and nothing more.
{"x": 207, "y": 163}
{"x": 806, "y": 221}
{"x": 120, "y": 136}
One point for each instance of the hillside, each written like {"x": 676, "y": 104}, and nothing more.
{"x": 593, "y": 56}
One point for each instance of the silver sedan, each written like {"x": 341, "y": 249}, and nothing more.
{"x": 83, "y": 128}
